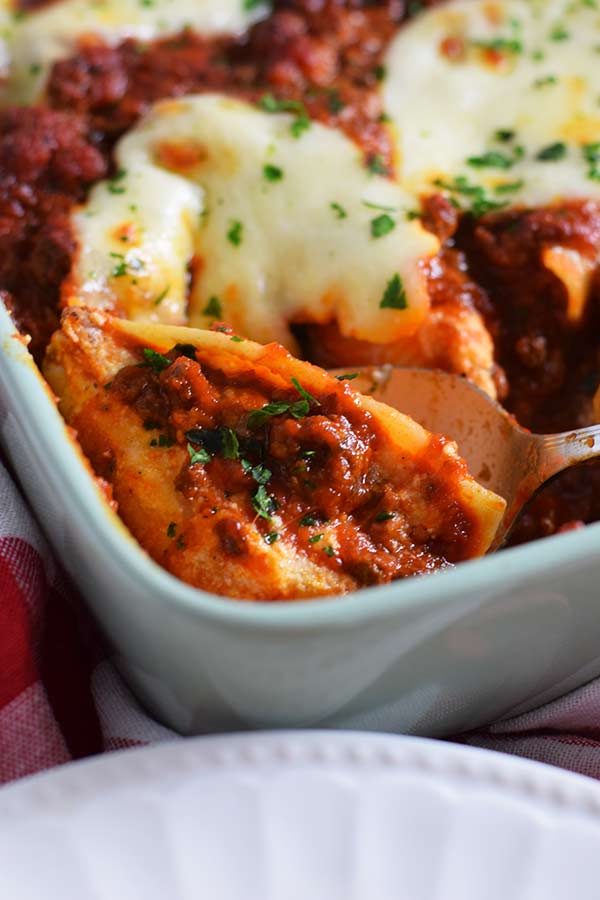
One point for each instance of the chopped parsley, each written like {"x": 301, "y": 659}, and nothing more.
{"x": 491, "y": 160}
{"x": 349, "y": 377}
{"x": 382, "y": 225}
{"x": 259, "y": 473}
{"x": 502, "y": 44}
{"x": 380, "y": 206}
{"x": 156, "y": 361}
{"x": 231, "y": 444}
{"x": 213, "y": 308}
{"x": 334, "y": 101}
{"x": 545, "y": 81}
{"x": 271, "y": 537}
{"x": 591, "y": 154}
{"x": 329, "y": 551}
{"x": 172, "y": 529}
{"x": 302, "y": 121}
{"x": 559, "y": 33}
{"x": 158, "y": 300}
{"x": 114, "y": 184}
{"x": 480, "y": 204}
{"x": 553, "y": 152}
{"x": 297, "y": 409}
{"x": 376, "y": 165}
{"x": 340, "y": 212}
{"x": 509, "y": 186}
{"x": 504, "y": 135}
{"x": 384, "y": 516}
{"x": 272, "y": 173}
{"x": 198, "y": 456}
{"x": 379, "y": 72}
{"x": 186, "y": 350}
{"x": 236, "y": 233}
{"x": 124, "y": 265}
{"x": 394, "y": 296}
{"x": 264, "y": 504}
{"x": 315, "y": 538}
{"x": 307, "y": 521}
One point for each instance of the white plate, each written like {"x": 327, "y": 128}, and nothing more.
{"x": 301, "y": 816}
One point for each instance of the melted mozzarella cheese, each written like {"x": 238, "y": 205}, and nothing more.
{"x": 286, "y": 231}
{"x": 37, "y": 39}
{"x": 511, "y": 86}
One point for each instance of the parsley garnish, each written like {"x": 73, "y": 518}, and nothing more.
{"x": 124, "y": 265}
{"x": 155, "y": 360}
{"x": 198, "y": 456}
{"x": 315, "y": 538}
{"x": 546, "y": 81}
{"x": 384, "y": 516}
{"x": 297, "y": 409}
{"x": 114, "y": 185}
{"x": 213, "y": 308}
{"x": 161, "y": 296}
{"x": 382, "y": 225}
{"x": 334, "y": 101}
{"x": 303, "y": 393}
{"x": 307, "y": 521}
{"x": 380, "y": 206}
{"x": 510, "y": 45}
{"x": 559, "y": 33}
{"x": 272, "y": 173}
{"x": 172, "y": 529}
{"x": 300, "y": 124}
{"x": 394, "y": 296}
{"x": 504, "y": 135}
{"x": 260, "y": 473}
{"x": 552, "y": 152}
{"x": 591, "y": 154}
{"x": 340, "y": 212}
{"x": 350, "y": 377}
{"x": 329, "y": 551}
{"x": 231, "y": 444}
{"x": 264, "y": 504}
{"x": 235, "y": 233}
{"x": 186, "y": 350}
{"x": 509, "y": 187}
{"x": 376, "y": 165}
{"x": 480, "y": 204}
{"x": 271, "y": 537}
{"x": 491, "y": 160}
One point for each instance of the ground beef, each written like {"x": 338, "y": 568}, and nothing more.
{"x": 47, "y": 161}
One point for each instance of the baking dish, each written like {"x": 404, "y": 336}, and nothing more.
{"x": 429, "y": 656}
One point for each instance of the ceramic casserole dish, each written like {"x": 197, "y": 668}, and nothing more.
{"x": 430, "y": 656}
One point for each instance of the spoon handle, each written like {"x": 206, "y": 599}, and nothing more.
{"x": 560, "y": 451}
{"x": 539, "y": 457}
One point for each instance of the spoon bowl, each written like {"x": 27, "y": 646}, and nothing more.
{"x": 500, "y": 454}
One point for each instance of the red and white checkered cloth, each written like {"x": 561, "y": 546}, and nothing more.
{"x": 61, "y": 699}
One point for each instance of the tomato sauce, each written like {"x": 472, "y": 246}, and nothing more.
{"x": 303, "y": 469}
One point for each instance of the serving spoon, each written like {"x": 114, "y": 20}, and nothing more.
{"x": 500, "y": 454}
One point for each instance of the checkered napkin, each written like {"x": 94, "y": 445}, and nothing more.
{"x": 61, "y": 699}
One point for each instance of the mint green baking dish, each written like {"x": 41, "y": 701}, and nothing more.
{"x": 429, "y": 656}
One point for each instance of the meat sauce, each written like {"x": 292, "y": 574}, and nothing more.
{"x": 327, "y": 55}
{"x": 303, "y": 469}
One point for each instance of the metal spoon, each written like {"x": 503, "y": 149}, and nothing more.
{"x": 500, "y": 454}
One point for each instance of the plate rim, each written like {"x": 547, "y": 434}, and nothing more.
{"x": 57, "y": 790}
